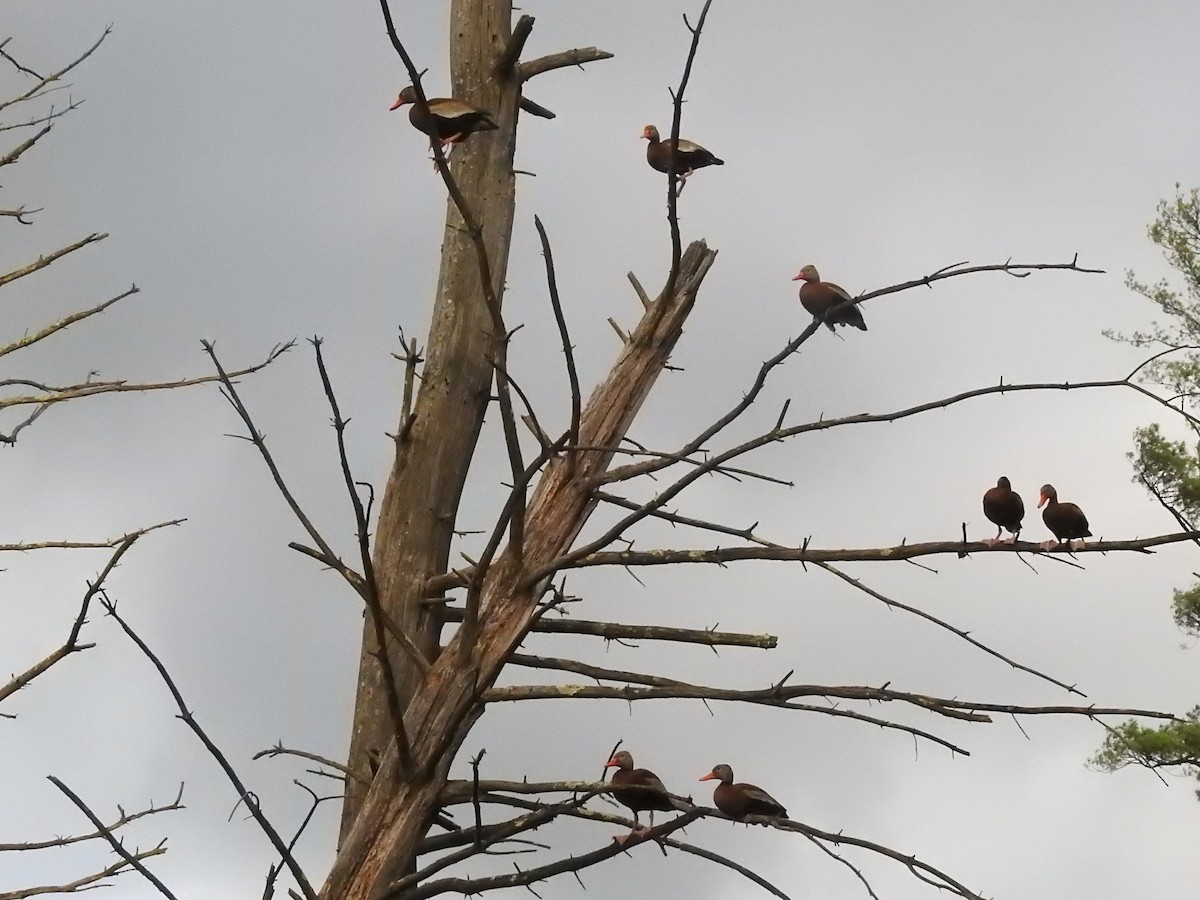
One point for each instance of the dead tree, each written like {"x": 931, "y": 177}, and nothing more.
{"x": 421, "y": 691}
{"x": 423, "y": 685}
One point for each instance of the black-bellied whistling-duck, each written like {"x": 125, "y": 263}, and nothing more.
{"x": 688, "y": 156}
{"x": 740, "y": 800}
{"x": 1004, "y": 508}
{"x": 1066, "y": 520}
{"x": 819, "y": 297}
{"x": 642, "y": 791}
{"x": 449, "y": 120}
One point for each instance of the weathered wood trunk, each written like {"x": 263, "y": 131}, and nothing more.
{"x": 382, "y": 827}
{"x": 417, "y": 511}
{"x": 394, "y": 817}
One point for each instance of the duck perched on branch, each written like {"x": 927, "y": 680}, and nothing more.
{"x": 1065, "y": 520}
{"x": 819, "y": 297}
{"x": 642, "y": 791}
{"x": 740, "y": 800}
{"x": 1004, "y": 508}
{"x": 449, "y": 120}
{"x": 688, "y": 156}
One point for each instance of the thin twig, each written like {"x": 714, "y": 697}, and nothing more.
{"x": 244, "y": 795}
{"x": 568, "y": 352}
{"x": 370, "y": 591}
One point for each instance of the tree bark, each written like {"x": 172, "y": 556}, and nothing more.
{"x": 417, "y": 511}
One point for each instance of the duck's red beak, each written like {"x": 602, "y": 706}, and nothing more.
{"x": 399, "y": 103}
{"x": 708, "y": 777}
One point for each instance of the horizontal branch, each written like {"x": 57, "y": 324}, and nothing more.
{"x": 576, "y": 57}
{"x": 589, "y": 671}
{"x": 1012, "y": 269}
{"x": 781, "y": 695}
{"x": 776, "y": 695}
{"x": 93, "y": 545}
{"x": 923, "y": 871}
{"x": 87, "y": 882}
{"x": 619, "y": 631}
{"x": 775, "y": 435}
{"x": 470, "y": 886}
{"x": 721, "y": 555}
{"x": 280, "y": 750}
{"x": 53, "y": 395}
{"x": 65, "y": 322}
{"x": 122, "y": 820}
{"x": 42, "y": 261}
{"x": 470, "y": 835}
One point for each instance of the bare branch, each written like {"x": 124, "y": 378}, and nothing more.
{"x": 72, "y": 644}
{"x": 256, "y": 438}
{"x": 280, "y": 750}
{"x": 244, "y": 795}
{"x": 748, "y": 874}
{"x": 673, "y": 164}
{"x": 20, "y": 214}
{"x": 274, "y": 870}
{"x": 749, "y": 396}
{"x": 87, "y": 882}
{"x": 515, "y": 826}
{"x": 507, "y": 64}
{"x": 620, "y": 631}
{"x": 534, "y": 109}
{"x": 561, "y": 60}
{"x": 746, "y": 534}
{"x": 20, "y": 68}
{"x": 122, "y": 820}
{"x": 782, "y": 696}
{"x": 589, "y": 671}
{"x": 470, "y": 886}
{"x": 40, "y": 88}
{"x": 89, "y": 545}
{"x": 14, "y": 154}
{"x": 42, "y": 261}
{"x": 53, "y": 395}
{"x": 565, "y": 336}
{"x": 722, "y": 555}
{"x": 895, "y": 604}
{"x": 117, "y": 846}
{"x": 369, "y": 586}
{"x": 65, "y": 322}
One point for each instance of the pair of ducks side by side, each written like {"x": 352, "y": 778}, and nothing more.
{"x": 1005, "y": 509}
{"x": 643, "y": 791}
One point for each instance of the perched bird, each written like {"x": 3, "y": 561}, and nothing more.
{"x": 642, "y": 791}
{"x": 741, "y": 800}
{"x": 1066, "y": 520}
{"x": 819, "y": 297}
{"x": 1004, "y": 508}
{"x": 688, "y": 156}
{"x": 450, "y": 121}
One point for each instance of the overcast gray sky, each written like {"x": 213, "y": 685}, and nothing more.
{"x": 257, "y": 189}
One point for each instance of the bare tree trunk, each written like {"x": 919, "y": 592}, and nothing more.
{"x": 393, "y": 818}
{"x": 417, "y": 515}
